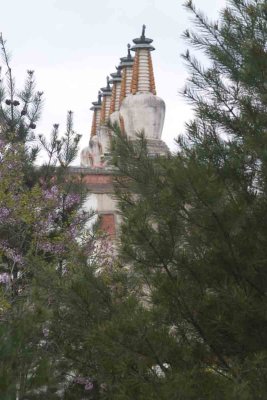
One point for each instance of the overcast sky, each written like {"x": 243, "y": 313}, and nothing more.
{"x": 74, "y": 44}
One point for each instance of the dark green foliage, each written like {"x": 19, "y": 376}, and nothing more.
{"x": 41, "y": 221}
{"x": 20, "y": 110}
{"x": 194, "y": 224}
{"x": 181, "y": 314}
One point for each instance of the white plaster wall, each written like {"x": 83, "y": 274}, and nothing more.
{"x": 100, "y": 202}
{"x": 91, "y": 202}
{"x": 85, "y": 157}
{"x": 90, "y": 205}
{"x": 115, "y": 117}
{"x": 94, "y": 143}
{"x": 104, "y": 139}
{"x": 105, "y": 203}
{"x": 143, "y": 112}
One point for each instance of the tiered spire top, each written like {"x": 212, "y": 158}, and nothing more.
{"x": 127, "y": 72}
{"x": 97, "y": 105}
{"x": 128, "y": 60}
{"x": 116, "y": 79}
{"x": 133, "y": 75}
{"x": 143, "y": 76}
{"x": 106, "y": 93}
{"x": 143, "y": 42}
{"x": 116, "y": 76}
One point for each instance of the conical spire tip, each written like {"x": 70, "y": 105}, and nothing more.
{"x": 142, "y": 41}
{"x": 143, "y": 32}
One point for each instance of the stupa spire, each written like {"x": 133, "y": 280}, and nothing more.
{"x": 143, "y": 32}
{"x": 96, "y": 108}
{"x": 126, "y": 66}
{"x": 143, "y": 80}
{"x": 129, "y": 56}
{"x": 106, "y": 94}
{"x": 116, "y": 79}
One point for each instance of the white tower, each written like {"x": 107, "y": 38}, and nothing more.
{"x": 142, "y": 110}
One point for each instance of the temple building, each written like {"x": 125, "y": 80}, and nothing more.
{"x": 129, "y": 99}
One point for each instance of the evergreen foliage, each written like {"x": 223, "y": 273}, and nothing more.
{"x": 43, "y": 236}
{"x": 180, "y": 312}
{"x": 194, "y": 223}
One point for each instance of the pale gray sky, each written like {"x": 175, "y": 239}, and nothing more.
{"x": 74, "y": 44}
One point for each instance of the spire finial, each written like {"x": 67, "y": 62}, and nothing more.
{"x": 118, "y": 69}
{"x": 129, "y": 50}
{"x": 108, "y": 82}
{"x": 99, "y": 96}
{"x": 143, "y": 32}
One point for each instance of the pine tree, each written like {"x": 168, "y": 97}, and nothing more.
{"x": 183, "y": 315}
{"x": 194, "y": 224}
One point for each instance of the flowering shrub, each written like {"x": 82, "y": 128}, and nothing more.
{"x": 46, "y": 249}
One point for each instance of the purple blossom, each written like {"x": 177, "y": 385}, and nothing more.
{"x": 4, "y": 278}
{"x": 73, "y": 231}
{"x": 55, "y": 248}
{"x": 6, "y": 216}
{"x": 85, "y": 381}
{"x": 4, "y": 213}
{"x": 71, "y": 200}
{"x": 44, "y": 223}
{"x": 12, "y": 254}
{"x": 89, "y": 386}
{"x": 51, "y": 193}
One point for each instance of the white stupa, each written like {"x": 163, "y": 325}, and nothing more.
{"x": 143, "y": 110}
{"x": 131, "y": 102}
